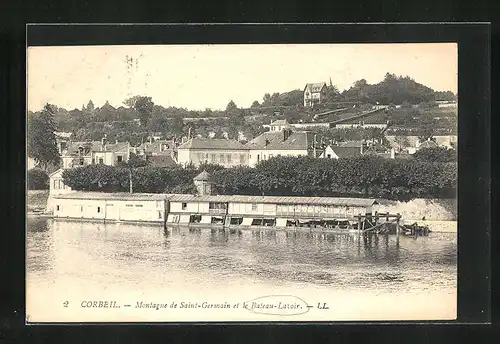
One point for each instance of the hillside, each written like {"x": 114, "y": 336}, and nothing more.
{"x": 122, "y": 123}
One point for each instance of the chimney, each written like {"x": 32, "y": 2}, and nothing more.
{"x": 393, "y": 153}
{"x": 103, "y": 142}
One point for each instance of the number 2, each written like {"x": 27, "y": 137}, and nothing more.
{"x": 65, "y": 303}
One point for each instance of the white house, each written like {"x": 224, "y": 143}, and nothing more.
{"x": 57, "y": 187}
{"x": 314, "y": 93}
{"x": 285, "y": 142}
{"x": 225, "y": 152}
{"x": 95, "y": 152}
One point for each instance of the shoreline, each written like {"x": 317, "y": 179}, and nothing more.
{"x": 436, "y": 226}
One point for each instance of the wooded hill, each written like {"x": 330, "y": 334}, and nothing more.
{"x": 134, "y": 123}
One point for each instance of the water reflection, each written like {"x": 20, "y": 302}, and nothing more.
{"x": 138, "y": 254}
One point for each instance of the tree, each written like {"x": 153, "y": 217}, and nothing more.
{"x": 177, "y": 125}
{"x": 144, "y": 106}
{"x": 135, "y": 161}
{"x": 231, "y": 108}
{"x": 130, "y": 102}
{"x": 266, "y": 99}
{"x": 42, "y": 144}
{"x": 255, "y": 104}
{"x": 436, "y": 154}
{"x": 37, "y": 179}
{"x": 90, "y": 106}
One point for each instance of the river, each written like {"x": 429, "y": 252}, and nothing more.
{"x": 343, "y": 277}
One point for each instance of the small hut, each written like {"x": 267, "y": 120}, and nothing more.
{"x": 203, "y": 183}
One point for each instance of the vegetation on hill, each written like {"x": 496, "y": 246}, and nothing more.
{"x": 139, "y": 117}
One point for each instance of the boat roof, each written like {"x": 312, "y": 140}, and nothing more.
{"x": 117, "y": 196}
{"x": 363, "y": 202}
{"x": 340, "y": 201}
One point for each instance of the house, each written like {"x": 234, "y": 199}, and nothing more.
{"x": 314, "y": 93}
{"x": 95, "y": 152}
{"x": 155, "y": 147}
{"x": 225, "y": 152}
{"x": 412, "y": 143}
{"x": 337, "y": 152}
{"x": 57, "y": 186}
{"x": 278, "y": 125}
{"x": 282, "y": 124}
{"x": 446, "y": 103}
{"x": 282, "y": 143}
{"x": 62, "y": 140}
{"x": 427, "y": 144}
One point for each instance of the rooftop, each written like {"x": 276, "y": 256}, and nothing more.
{"x": 202, "y": 143}
{"x": 156, "y": 146}
{"x": 346, "y": 152}
{"x": 202, "y": 176}
{"x": 297, "y": 140}
{"x": 360, "y": 202}
{"x": 280, "y": 122}
{"x": 94, "y": 146}
{"x": 122, "y": 196}
{"x": 315, "y": 87}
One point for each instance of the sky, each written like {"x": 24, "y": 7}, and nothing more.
{"x": 197, "y": 77}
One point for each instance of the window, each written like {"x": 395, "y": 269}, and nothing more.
{"x": 254, "y": 206}
{"x": 200, "y": 156}
{"x": 242, "y": 158}
{"x": 184, "y": 206}
{"x": 158, "y": 204}
{"x": 213, "y": 157}
{"x": 81, "y": 209}
{"x": 98, "y": 209}
{"x": 57, "y": 208}
{"x": 329, "y": 156}
{"x": 258, "y": 157}
{"x": 55, "y": 184}
{"x": 60, "y": 184}
{"x": 229, "y": 158}
{"x": 221, "y": 157}
{"x": 82, "y": 161}
{"x": 216, "y": 205}
{"x": 101, "y": 161}
{"x": 160, "y": 215}
{"x": 119, "y": 158}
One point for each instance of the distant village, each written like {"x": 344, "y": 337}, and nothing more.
{"x": 280, "y": 138}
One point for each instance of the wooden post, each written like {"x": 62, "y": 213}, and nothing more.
{"x": 359, "y": 223}
{"x": 130, "y": 178}
{"x": 398, "y": 229}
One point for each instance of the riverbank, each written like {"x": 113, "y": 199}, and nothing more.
{"x": 419, "y": 208}
{"x": 36, "y": 201}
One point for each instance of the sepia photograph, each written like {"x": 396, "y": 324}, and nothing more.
{"x": 241, "y": 183}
